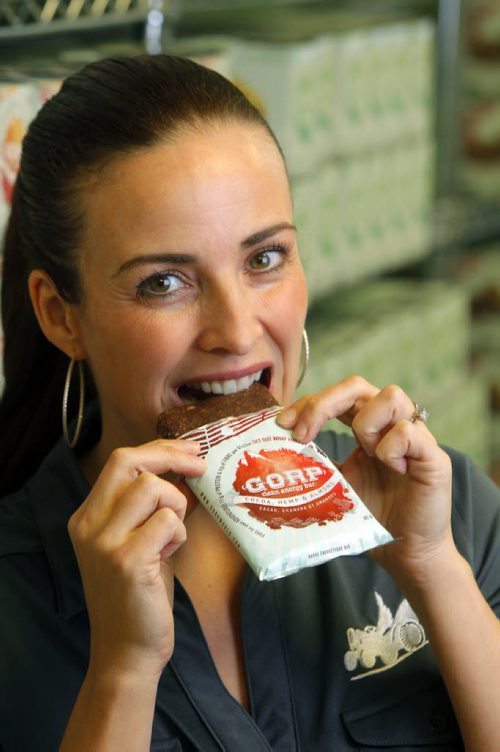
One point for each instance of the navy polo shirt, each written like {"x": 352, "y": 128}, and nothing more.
{"x": 334, "y": 656}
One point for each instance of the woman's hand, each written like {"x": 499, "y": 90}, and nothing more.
{"x": 397, "y": 469}
{"x": 404, "y": 478}
{"x": 123, "y": 535}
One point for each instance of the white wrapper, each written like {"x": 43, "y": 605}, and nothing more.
{"x": 282, "y": 503}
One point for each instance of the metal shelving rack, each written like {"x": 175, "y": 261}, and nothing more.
{"x": 21, "y": 18}
{"x": 25, "y": 20}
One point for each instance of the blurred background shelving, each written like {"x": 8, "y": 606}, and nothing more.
{"x": 389, "y": 115}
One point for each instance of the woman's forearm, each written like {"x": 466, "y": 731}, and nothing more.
{"x": 465, "y": 635}
{"x": 112, "y": 713}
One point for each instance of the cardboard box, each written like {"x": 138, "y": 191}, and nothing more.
{"x": 292, "y": 85}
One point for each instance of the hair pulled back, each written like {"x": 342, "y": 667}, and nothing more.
{"x": 109, "y": 108}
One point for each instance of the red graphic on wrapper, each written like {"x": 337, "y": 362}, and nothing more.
{"x": 299, "y": 485}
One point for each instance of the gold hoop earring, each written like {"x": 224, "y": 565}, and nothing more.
{"x": 81, "y": 403}
{"x": 305, "y": 360}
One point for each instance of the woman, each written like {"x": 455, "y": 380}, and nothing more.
{"x": 152, "y": 240}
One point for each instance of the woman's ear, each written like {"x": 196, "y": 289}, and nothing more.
{"x": 57, "y": 318}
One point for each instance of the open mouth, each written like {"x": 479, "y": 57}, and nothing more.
{"x": 195, "y": 391}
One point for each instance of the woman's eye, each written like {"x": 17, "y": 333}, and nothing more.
{"x": 159, "y": 284}
{"x": 264, "y": 261}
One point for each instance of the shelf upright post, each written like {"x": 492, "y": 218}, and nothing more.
{"x": 154, "y": 26}
{"x": 448, "y": 63}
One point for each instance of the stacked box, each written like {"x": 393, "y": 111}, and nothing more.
{"x": 363, "y": 215}
{"x": 292, "y": 85}
{"x": 343, "y": 92}
{"x": 18, "y": 103}
{"x": 318, "y": 202}
{"x": 387, "y": 199}
{"x": 460, "y": 418}
{"x": 21, "y": 96}
{"x": 385, "y": 90}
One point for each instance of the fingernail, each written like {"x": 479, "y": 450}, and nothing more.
{"x": 299, "y": 432}
{"x": 193, "y": 446}
{"x": 287, "y": 418}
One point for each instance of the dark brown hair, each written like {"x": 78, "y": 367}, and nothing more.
{"x": 109, "y": 108}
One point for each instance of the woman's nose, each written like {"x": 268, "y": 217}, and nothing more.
{"x": 230, "y": 321}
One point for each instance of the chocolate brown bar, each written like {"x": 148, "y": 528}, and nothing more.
{"x": 178, "y": 420}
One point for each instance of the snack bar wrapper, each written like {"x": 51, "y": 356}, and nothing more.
{"x": 283, "y": 504}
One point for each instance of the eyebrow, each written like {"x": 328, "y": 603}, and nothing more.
{"x": 258, "y": 237}
{"x": 156, "y": 258}
{"x": 188, "y": 258}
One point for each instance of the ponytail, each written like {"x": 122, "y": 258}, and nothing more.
{"x": 33, "y": 370}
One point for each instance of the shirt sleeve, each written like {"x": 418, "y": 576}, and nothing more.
{"x": 476, "y": 524}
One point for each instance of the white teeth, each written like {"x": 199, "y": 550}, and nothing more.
{"x": 229, "y": 387}
{"x": 244, "y": 382}
{"x": 225, "y": 387}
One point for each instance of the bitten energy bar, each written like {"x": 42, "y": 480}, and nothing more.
{"x": 178, "y": 420}
{"x": 282, "y": 503}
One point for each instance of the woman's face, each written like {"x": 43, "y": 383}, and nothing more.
{"x": 191, "y": 276}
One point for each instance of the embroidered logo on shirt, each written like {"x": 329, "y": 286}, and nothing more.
{"x": 378, "y": 647}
